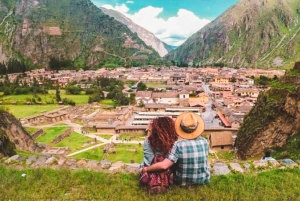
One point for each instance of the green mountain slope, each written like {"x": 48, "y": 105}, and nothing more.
{"x": 257, "y": 33}
{"x": 76, "y": 30}
{"x": 149, "y": 38}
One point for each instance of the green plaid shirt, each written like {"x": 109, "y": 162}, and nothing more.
{"x": 190, "y": 157}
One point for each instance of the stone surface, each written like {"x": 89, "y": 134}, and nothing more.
{"x": 50, "y": 160}
{"x": 132, "y": 167}
{"x": 105, "y": 164}
{"x": 93, "y": 164}
{"x": 61, "y": 161}
{"x": 247, "y": 166}
{"x": 81, "y": 163}
{"x": 70, "y": 162}
{"x": 288, "y": 162}
{"x": 236, "y": 167}
{"x": 40, "y": 161}
{"x": 15, "y": 158}
{"x": 220, "y": 169}
{"x": 30, "y": 160}
{"x": 274, "y": 163}
{"x": 259, "y": 163}
{"x": 117, "y": 166}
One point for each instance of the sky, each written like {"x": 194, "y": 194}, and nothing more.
{"x": 172, "y": 21}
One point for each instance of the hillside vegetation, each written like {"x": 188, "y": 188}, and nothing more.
{"x": 273, "y": 122}
{"x": 255, "y": 33}
{"x": 75, "y": 32}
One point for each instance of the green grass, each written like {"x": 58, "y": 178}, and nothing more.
{"x": 78, "y": 99}
{"x": 62, "y": 184}
{"x": 46, "y": 98}
{"x": 25, "y": 153}
{"x": 22, "y": 99}
{"x": 21, "y": 111}
{"x": 155, "y": 84}
{"x": 291, "y": 150}
{"x": 132, "y": 136}
{"x": 31, "y": 130}
{"x": 123, "y": 154}
{"x": 105, "y": 136}
{"x": 78, "y": 122}
{"x": 94, "y": 154}
{"x": 107, "y": 102}
{"x": 51, "y": 134}
{"x": 75, "y": 142}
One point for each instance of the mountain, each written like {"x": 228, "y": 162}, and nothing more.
{"x": 257, "y": 33}
{"x": 36, "y": 30}
{"x": 13, "y": 135}
{"x": 274, "y": 121}
{"x": 149, "y": 38}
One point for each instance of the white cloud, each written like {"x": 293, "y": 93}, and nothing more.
{"x": 129, "y": 2}
{"x": 173, "y": 31}
{"x": 120, "y": 8}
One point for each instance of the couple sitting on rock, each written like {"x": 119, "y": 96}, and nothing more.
{"x": 181, "y": 146}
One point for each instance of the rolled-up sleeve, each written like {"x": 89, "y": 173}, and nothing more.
{"x": 173, "y": 155}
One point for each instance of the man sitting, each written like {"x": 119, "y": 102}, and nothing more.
{"x": 189, "y": 153}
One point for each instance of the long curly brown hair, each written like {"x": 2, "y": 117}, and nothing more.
{"x": 163, "y": 134}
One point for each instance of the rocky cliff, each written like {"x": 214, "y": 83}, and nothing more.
{"x": 257, "y": 33}
{"x": 13, "y": 136}
{"x": 149, "y": 38}
{"x": 36, "y": 30}
{"x": 273, "y": 120}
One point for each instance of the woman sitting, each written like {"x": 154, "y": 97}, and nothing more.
{"x": 161, "y": 137}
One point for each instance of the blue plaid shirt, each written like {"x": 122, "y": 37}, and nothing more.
{"x": 190, "y": 157}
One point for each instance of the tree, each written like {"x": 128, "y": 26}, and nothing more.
{"x": 57, "y": 95}
{"x": 132, "y": 99}
{"x": 141, "y": 86}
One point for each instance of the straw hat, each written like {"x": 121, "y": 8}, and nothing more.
{"x": 189, "y": 125}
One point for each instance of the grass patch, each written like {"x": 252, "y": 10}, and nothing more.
{"x": 226, "y": 155}
{"x": 155, "y": 84}
{"x": 78, "y": 99}
{"x": 107, "y": 137}
{"x": 107, "y": 102}
{"x": 21, "y": 111}
{"x": 123, "y": 153}
{"x": 62, "y": 184}
{"x": 93, "y": 154}
{"x": 290, "y": 150}
{"x": 75, "y": 142}
{"x": 51, "y": 134}
{"x": 31, "y": 130}
{"x": 132, "y": 136}
{"x": 78, "y": 122}
{"x": 26, "y": 153}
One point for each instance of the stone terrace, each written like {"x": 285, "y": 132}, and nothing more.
{"x": 217, "y": 167}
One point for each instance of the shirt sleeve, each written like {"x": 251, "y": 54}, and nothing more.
{"x": 173, "y": 155}
{"x": 148, "y": 154}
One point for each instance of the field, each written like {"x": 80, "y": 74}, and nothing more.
{"x": 125, "y": 153}
{"x": 63, "y": 184}
{"x": 107, "y": 137}
{"x": 31, "y": 130}
{"x": 75, "y": 142}
{"x": 139, "y": 137}
{"x": 45, "y": 98}
{"x": 51, "y": 134}
{"x": 94, "y": 154}
{"x": 21, "y": 111}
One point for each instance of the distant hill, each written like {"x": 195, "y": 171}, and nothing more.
{"x": 77, "y": 30}
{"x": 257, "y": 33}
{"x": 149, "y": 38}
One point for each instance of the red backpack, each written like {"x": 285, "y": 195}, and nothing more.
{"x": 157, "y": 182}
